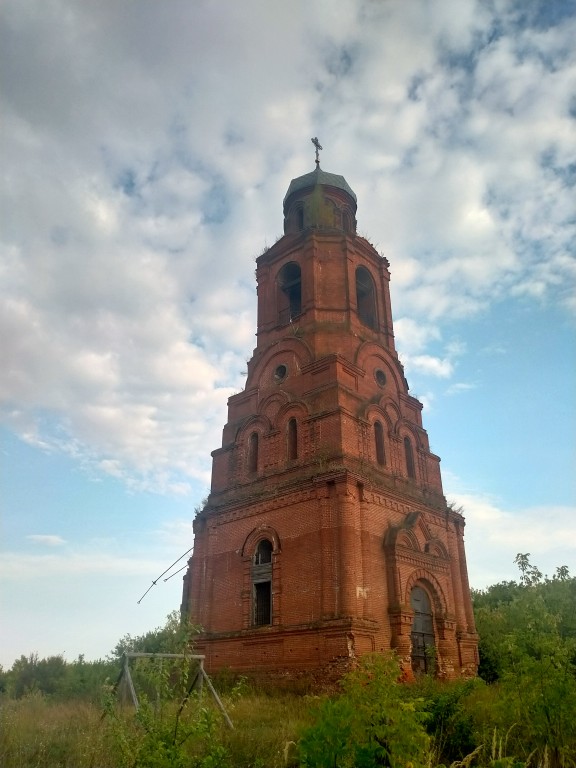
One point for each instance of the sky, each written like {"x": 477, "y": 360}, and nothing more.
{"x": 146, "y": 148}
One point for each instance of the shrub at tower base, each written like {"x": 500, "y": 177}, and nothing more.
{"x": 371, "y": 723}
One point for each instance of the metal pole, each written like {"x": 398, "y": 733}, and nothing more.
{"x": 130, "y": 683}
{"x": 217, "y": 699}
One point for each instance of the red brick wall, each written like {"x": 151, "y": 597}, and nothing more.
{"x": 351, "y": 536}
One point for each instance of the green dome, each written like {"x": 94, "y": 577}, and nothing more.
{"x": 316, "y": 177}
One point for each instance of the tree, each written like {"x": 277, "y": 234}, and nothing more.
{"x": 165, "y": 639}
{"x": 530, "y": 575}
{"x": 528, "y": 645}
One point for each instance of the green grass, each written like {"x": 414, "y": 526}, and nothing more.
{"x": 266, "y": 729}
{"x": 36, "y": 732}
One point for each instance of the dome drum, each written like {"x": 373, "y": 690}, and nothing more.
{"x": 319, "y": 200}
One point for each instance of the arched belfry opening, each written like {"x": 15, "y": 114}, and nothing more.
{"x": 325, "y": 451}
{"x": 289, "y": 292}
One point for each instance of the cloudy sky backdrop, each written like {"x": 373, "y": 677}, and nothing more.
{"x": 146, "y": 150}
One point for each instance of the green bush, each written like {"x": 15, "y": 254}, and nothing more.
{"x": 450, "y": 720}
{"x": 369, "y": 724}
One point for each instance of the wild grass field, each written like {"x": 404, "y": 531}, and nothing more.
{"x": 373, "y": 721}
{"x": 36, "y": 731}
{"x": 519, "y": 713}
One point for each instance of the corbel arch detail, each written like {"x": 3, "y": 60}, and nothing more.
{"x": 393, "y": 414}
{"x": 290, "y": 423}
{"x": 407, "y": 538}
{"x": 436, "y": 548}
{"x": 406, "y": 526}
{"x": 405, "y": 429}
{"x": 249, "y": 444}
{"x": 290, "y": 351}
{"x": 260, "y": 424}
{"x": 369, "y": 356}
{"x": 296, "y": 408}
{"x": 273, "y": 405}
{"x": 255, "y": 536}
{"x": 376, "y": 412}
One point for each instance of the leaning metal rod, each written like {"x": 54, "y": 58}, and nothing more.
{"x": 175, "y": 573}
{"x": 155, "y": 581}
{"x": 130, "y": 683}
{"x": 184, "y": 702}
{"x": 216, "y": 697}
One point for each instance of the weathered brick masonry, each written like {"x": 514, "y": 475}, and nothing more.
{"x": 326, "y": 533}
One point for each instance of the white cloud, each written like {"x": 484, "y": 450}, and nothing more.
{"x": 89, "y": 601}
{"x": 494, "y": 536}
{"x": 49, "y": 539}
{"x": 412, "y": 336}
{"x": 25, "y": 567}
{"x": 432, "y": 366}
{"x": 141, "y": 183}
{"x": 460, "y": 386}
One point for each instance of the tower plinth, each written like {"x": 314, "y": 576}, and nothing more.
{"x": 326, "y": 533}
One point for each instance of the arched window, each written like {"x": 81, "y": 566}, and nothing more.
{"x": 379, "y": 441}
{"x": 409, "y": 453}
{"x": 263, "y": 554}
{"x": 300, "y": 218}
{"x": 289, "y": 292}
{"x": 422, "y": 635}
{"x": 253, "y": 453}
{"x": 366, "y": 297}
{"x": 347, "y": 221}
{"x": 262, "y": 584}
{"x": 292, "y": 440}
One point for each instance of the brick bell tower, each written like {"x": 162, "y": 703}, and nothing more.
{"x": 326, "y": 533}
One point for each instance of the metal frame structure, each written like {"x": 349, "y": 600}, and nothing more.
{"x": 199, "y": 679}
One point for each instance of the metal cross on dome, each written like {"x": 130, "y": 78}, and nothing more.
{"x": 318, "y": 148}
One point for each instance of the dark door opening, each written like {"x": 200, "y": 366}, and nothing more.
{"x": 422, "y": 636}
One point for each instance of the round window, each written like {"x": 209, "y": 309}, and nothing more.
{"x": 380, "y": 377}
{"x": 280, "y": 373}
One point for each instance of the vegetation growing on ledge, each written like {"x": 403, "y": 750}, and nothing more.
{"x": 519, "y": 712}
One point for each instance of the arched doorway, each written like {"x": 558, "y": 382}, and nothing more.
{"x": 422, "y": 635}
